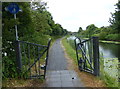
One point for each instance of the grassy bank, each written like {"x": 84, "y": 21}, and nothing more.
{"x": 70, "y": 51}
{"x": 110, "y": 42}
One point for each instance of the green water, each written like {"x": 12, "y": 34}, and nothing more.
{"x": 110, "y": 53}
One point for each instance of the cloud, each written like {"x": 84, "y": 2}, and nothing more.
{"x": 72, "y": 14}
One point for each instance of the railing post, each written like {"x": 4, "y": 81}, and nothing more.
{"x": 76, "y": 51}
{"x": 96, "y": 56}
{"x": 18, "y": 57}
{"x": 47, "y": 54}
{"x": 48, "y": 50}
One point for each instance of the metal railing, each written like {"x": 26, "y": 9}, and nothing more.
{"x": 31, "y": 59}
{"x": 87, "y": 52}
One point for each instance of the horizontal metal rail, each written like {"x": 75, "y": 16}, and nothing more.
{"x": 32, "y": 43}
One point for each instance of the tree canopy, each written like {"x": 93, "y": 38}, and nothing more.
{"x": 35, "y": 24}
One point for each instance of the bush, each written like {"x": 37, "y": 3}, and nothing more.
{"x": 96, "y": 35}
{"x": 113, "y": 37}
{"x": 9, "y": 67}
{"x": 102, "y": 36}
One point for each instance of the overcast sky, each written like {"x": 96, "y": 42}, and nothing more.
{"x": 72, "y": 14}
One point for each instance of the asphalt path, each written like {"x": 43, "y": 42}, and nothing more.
{"x": 56, "y": 59}
{"x": 57, "y": 74}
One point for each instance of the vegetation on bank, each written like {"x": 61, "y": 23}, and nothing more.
{"x": 104, "y": 75}
{"x": 35, "y": 25}
{"x": 109, "y": 42}
{"x": 109, "y": 33}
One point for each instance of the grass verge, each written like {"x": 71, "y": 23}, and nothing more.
{"x": 69, "y": 50}
{"x": 22, "y": 82}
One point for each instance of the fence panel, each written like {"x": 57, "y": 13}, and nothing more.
{"x": 87, "y": 52}
{"x": 31, "y": 59}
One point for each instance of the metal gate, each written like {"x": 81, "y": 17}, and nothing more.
{"x": 31, "y": 59}
{"x": 87, "y": 52}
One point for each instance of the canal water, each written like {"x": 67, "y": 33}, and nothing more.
{"x": 109, "y": 53}
{"x": 109, "y": 50}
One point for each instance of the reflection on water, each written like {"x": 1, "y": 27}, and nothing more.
{"x": 110, "y": 54}
{"x": 109, "y": 50}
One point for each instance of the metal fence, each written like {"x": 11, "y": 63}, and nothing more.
{"x": 87, "y": 52}
{"x": 31, "y": 59}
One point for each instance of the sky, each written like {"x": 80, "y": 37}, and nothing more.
{"x": 72, "y": 14}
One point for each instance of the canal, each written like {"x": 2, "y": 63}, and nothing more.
{"x": 109, "y": 50}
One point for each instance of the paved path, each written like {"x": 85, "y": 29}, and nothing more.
{"x": 57, "y": 74}
{"x": 56, "y": 60}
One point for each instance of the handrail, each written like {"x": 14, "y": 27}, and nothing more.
{"x": 32, "y": 43}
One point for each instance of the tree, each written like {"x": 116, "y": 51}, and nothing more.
{"x": 115, "y": 20}
{"x": 90, "y": 29}
{"x": 80, "y": 29}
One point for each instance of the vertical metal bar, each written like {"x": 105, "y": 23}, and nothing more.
{"x": 29, "y": 57}
{"x": 24, "y": 53}
{"x": 34, "y": 56}
{"x": 0, "y": 44}
{"x": 25, "y": 57}
{"x": 18, "y": 57}
{"x": 22, "y": 50}
{"x": 84, "y": 48}
{"x": 76, "y": 46}
{"x": 96, "y": 56}
{"x": 48, "y": 51}
{"x": 46, "y": 61}
{"x": 39, "y": 67}
{"x": 90, "y": 51}
{"x": 38, "y": 50}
